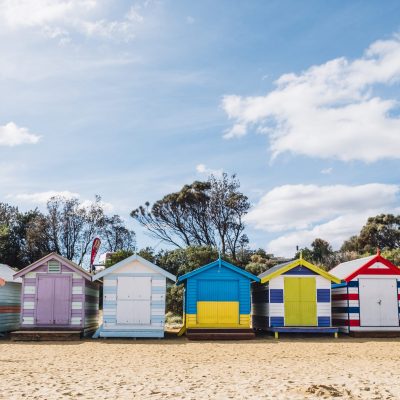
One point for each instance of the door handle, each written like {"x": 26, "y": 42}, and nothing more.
{"x": 379, "y": 301}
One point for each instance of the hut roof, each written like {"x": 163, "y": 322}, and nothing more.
{"x": 127, "y": 260}
{"x": 350, "y": 269}
{"x": 7, "y": 273}
{"x": 287, "y": 266}
{"x": 221, "y": 263}
{"x": 56, "y": 256}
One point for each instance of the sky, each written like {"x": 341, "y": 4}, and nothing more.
{"x": 133, "y": 99}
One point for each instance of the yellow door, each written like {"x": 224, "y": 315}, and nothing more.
{"x": 300, "y": 297}
{"x": 217, "y": 313}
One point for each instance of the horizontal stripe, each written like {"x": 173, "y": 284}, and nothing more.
{"x": 76, "y": 305}
{"x": 350, "y": 296}
{"x": 277, "y": 321}
{"x": 276, "y": 295}
{"x": 29, "y": 289}
{"x": 29, "y": 305}
{"x": 324, "y": 321}
{"x": 323, "y": 295}
{"x": 346, "y": 309}
{"x": 77, "y": 290}
{"x": 10, "y": 309}
{"x": 352, "y": 284}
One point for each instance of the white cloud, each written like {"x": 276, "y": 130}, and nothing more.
{"x": 40, "y": 198}
{"x": 330, "y": 110}
{"x": 61, "y": 18}
{"x": 202, "y": 169}
{"x": 305, "y": 212}
{"x": 326, "y": 171}
{"x": 43, "y": 197}
{"x": 13, "y": 135}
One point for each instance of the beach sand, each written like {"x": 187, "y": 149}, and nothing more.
{"x": 289, "y": 368}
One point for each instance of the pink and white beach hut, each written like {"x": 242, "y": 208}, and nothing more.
{"x": 57, "y": 294}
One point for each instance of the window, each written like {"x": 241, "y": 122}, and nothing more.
{"x": 54, "y": 266}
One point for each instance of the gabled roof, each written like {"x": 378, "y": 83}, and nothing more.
{"x": 287, "y": 266}
{"x": 61, "y": 259}
{"x": 214, "y": 264}
{"x": 7, "y": 273}
{"x": 127, "y": 260}
{"x": 350, "y": 269}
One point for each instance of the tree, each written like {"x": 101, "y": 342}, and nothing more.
{"x": 321, "y": 250}
{"x": 117, "y": 256}
{"x": 200, "y": 214}
{"x": 260, "y": 262}
{"x": 116, "y": 235}
{"x": 382, "y": 231}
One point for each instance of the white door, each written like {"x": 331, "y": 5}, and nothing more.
{"x": 134, "y": 300}
{"x": 378, "y": 302}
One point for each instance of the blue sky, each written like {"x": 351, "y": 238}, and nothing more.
{"x": 133, "y": 99}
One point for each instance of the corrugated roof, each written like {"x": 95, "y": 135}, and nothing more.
{"x": 7, "y": 274}
{"x": 345, "y": 269}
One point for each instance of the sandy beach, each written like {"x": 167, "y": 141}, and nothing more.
{"x": 289, "y": 368}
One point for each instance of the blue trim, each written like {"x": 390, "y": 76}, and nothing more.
{"x": 353, "y": 284}
{"x": 277, "y": 321}
{"x": 323, "y": 295}
{"x": 324, "y": 321}
{"x": 344, "y": 310}
{"x": 220, "y": 263}
{"x": 339, "y": 285}
{"x": 398, "y": 283}
{"x": 276, "y": 295}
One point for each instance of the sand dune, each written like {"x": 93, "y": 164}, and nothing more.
{"x": 177, "y": 369}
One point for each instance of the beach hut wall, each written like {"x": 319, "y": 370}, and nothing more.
{"x": 57, "y": 294}
{"x": 134, "y": 299}
{"x": 368, "y": 299}
{"x": 10, "y": 299}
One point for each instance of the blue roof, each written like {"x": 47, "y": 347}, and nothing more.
{"x": 215, "y": 263}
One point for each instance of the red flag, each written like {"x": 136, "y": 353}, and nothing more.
{"x": 95, "y": 249}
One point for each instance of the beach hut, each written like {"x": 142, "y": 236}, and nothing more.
{"x": 217, "y": 302}
{"x": 10, "y": 299}
{"x": 293, "y": 297}
{"x": 368, "y": 298}
{"x": 58, "y": 295}
{"x": 133, "y": 299}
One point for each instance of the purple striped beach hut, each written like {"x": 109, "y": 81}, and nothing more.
{"x": 57, "y": 294}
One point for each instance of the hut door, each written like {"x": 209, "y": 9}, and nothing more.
{"x": 44, "y": 300}
{"x": 133, "y": 300}
{"x": 378, "y": 302}
{"x": 53, "y": 302}
{"x": 300, "y": 301}
{"x": 62, "y": 301}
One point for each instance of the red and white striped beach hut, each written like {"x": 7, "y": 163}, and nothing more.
{"x": 368, "y": 298}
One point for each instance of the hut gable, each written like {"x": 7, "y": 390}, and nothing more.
{"x": 48, "y": 264}
{"x": 372, "y": 265}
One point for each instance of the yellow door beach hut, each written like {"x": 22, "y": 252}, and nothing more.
{"x": 293, "y": 297}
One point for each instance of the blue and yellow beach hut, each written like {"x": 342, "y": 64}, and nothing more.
{"x": 217, "y": 302}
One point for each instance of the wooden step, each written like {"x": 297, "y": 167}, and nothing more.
{"x": 43, "y": 335}
{"x": 220, "y": 334}
{"x": 375, "y": 334}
